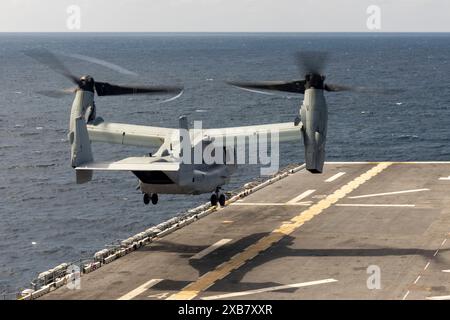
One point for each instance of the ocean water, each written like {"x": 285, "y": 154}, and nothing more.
{"x": 46, "y": 219}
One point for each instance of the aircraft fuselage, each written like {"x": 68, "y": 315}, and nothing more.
{"x": 205, "y": 178}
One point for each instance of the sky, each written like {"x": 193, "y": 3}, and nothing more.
{"x": 224, "y": 16}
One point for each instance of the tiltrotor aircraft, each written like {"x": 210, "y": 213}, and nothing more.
{"x": 172, "y": 169}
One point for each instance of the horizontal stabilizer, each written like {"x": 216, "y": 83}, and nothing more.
{"x": 128, "y": 134}
{"x": 132, "y": 164}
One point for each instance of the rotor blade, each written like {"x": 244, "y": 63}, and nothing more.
{"x": 101, "y": 62}
{"x": 312, "y": 61}
{"x": 337, "y": 88}
{"x": 171, "y": 99}
{"x": 48, "y": 59}
{"x": 107, "y": 89}
{"x": 296, "y": 86}
{"x": 57, "y": 93}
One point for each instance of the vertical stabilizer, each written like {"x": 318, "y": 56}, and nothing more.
{"x": 81, "y": 152}
{"x": 186, "y": 173}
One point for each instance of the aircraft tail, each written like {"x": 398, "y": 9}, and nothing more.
{"x": 186, "y": 173}
{"x": 80, "y": 145}
{"x": 81, "y": 152}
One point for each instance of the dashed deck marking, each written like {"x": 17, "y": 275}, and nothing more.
{"x": 406, "y": 295}
{"x": 210, "y": 249}
{"x": 439, "y": 298}
{"x": 335, "y": 177}
{"x": 374, "y": 205}
{"x": 208, "y": 279}
{"x": 301, "y": 196}
{"x": 387, "y": 193}
{"x": 306, "y": 203}
{"x": 426, "y": 267}
{"x": 134, "y": 293}
{"x": 256, "y": 291}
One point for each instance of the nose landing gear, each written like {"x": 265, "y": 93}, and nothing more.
{"x": 218, "y": 197}
{"x": 214, "y": 199}
{"x": 152, "y": 197}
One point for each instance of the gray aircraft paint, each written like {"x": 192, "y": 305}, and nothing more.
{"x": 189, "y": 179}
{"x": 78, "y": 135}
{"x": 314, "y": 117}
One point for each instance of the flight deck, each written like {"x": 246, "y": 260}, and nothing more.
{"x": 361, "y": 230}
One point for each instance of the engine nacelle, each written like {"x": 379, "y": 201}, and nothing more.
{"x": 314, "y": 117}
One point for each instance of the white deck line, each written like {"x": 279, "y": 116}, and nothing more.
{"x": 301, "y": 196}
{"x": 394, "y": 162}
{"x": 335, "y": 177}
{"x": 406, "y": 295}
{"x": 134, "y": 293}
{"x": 439, "y": 298}
{"x": 289, "y": 286}
{"x": 387, "y": 193}
{"x": 373, "y": 205}
{"x": 305, "y": 204}
{"x": 210, "y": 249}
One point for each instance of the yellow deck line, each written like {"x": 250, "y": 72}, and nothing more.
{"x": 208, "y": 279}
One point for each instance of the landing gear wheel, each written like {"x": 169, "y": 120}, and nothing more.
{"x": 146, "y": 198}
{"x": 222, "y": 200}
{"x": 154, "y": 198}
{"x": 214, "y": 199}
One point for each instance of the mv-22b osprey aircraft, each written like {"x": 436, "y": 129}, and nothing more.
{"x": 164, "y": 171}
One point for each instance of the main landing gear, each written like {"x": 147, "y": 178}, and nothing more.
{"x": 218, "y": 197}
{"x": 152, "y": 197}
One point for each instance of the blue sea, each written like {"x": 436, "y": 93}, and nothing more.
{"x": 47, "y": 219}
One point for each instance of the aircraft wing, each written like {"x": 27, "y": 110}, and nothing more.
{"x": 287, "y": 131}
{"x": 148, "y": 136}
{"x": 132, "y": 164}
{"x": 128, "y": 134}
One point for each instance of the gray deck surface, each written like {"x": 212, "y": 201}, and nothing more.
{"x": 327, "y": 245}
